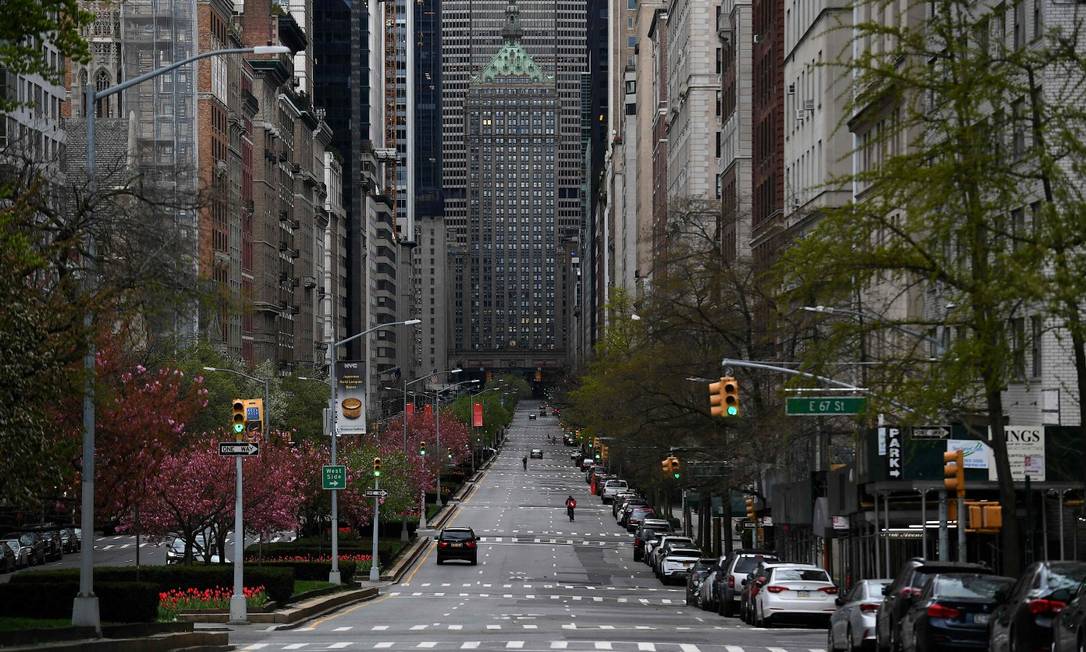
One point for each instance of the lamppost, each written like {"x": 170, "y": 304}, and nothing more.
{"x": 333, "y": 346}
{"x": 406, "y": 384}
{"x": 85, "y": 605}
{"x": 267, "y": 396}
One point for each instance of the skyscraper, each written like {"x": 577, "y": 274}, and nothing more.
{"x": 509, "y": 294}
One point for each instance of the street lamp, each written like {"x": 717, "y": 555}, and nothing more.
{"x": 406, "y": 384}
{"x": 333, "y": 346}
{"x": 85, "y": 605}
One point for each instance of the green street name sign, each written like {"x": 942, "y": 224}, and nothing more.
{"x": 333, "y": 477}
{"x": 817, "y": 406}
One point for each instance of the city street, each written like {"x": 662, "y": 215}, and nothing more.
{"x": 542, "y": 583}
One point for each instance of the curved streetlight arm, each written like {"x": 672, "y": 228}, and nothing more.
{"x": 861, "y": 314}
{"x": 408, "y": 322}
{"x": 117, "y": 88}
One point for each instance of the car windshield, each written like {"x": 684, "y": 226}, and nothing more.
{"x": 874, "y": 589}
{"x": 800, "y": 575}
{"x": 456, "y": 535}
{"x": 747, "y": 564}
{"x": 26, "y": 539}
{"x": 969, "y": 586}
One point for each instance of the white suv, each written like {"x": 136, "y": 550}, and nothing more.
{"x": 612, "y": 488}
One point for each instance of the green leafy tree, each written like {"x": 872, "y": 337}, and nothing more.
{"x": 29, "y": 23}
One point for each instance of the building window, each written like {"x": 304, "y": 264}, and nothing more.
{"x": 1018, "y": 347}
{"x": 1036, "y": 331}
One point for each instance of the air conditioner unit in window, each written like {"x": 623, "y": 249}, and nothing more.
{"x": 808, "y": 105}
{"x": 791, "y": 89}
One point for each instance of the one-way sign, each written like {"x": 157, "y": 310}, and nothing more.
{"x": 931, "y": 432}
{"x": 236, "y": 448}
{"x": 376, "y": 493}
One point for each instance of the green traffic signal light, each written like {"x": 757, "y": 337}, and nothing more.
{"x": 732, "y": 410}
{"x": 239, "y": 428}
{"x": 675, "y": 475}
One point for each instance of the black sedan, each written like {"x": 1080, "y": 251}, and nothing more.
{"x": 952, "y": 612}
{"x": 1069, "y": 632}
{"x": 457, "y": 543}
{"x": 1024, "y": 620}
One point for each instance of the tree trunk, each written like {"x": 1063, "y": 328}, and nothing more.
{"x": 1009, "y": 534}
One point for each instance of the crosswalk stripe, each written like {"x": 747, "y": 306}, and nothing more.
{"x": 493, "y": 626}
{"x": 687, "y": 647}
{"x": 416, "y": 628}
{"x": 558, "y": 645}
{"x": 342, "y": 629}
{"x": 530, "y": 626}
{"x": 514, "y": 644}
{"x": 256, "y": 646}
{"x": 603, "y": 645}
{"x": 733, "y": 648}
{"x": 295, "y": 646}
{"x": 665, "y": 601}
{"x": 427, "y": 644}
{"x": 456, "y": 627}
{"x": 469, "y": 645}
{"x": 607, "y": 626}
{"x": 383, "y": 644}
{"x": 378, "y": 628}
{"x": 339, "y": 646}
{"x": 776, "y": 649}
{"x": 646, "y": 647}
{"x": 597, "y": 599}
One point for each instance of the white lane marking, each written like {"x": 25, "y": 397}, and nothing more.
{"x": 378, "y": 628}
{"x": 469, "y": 645}
{"x": 383, "y": 644}
{"x": 295, "y": 646}
{"x": 530, "y": 626}
{"x": 257, "y": 646}
{"x": 646, "y": 647}
{"x": 417, "y": 628}
{"x": 559, "y": 645}
{"x": 439, "y": 595}
{"x": 603, "y": 645}
{"x": 427, "y": 644}
{"x": 597, "y": 599}
{"x": 776, "y": 649}
{"x": 342, "y": 629}
{"x": 665, "y": 601}
{"x": 687, "y": 647}
{"x": 607, "y": 626}
{"x": 623, "y": 600}
{"x": 515, "y": 645}
{"x": 493, "y": 626}
{"x": 456, "y": 627}
{"x": 736, "y": 648}
{"x": 339, "y": 646}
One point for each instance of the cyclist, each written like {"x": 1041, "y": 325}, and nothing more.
{"x": 571, "y": 504}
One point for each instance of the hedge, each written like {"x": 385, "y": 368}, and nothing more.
{"x": 118, "y": 602}
{"x": 386, "y": 550}
{"x": 278, "y": 582}
{"x": 309, "y": 570}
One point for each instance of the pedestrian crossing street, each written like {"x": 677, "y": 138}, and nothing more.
{"x": 492, "y": 644}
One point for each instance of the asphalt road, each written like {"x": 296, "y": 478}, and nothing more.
{"x": 542, "y": 583}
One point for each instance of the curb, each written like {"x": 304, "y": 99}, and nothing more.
{"x": 326, "y": 607}
{"x": 407, "y": 560}
{"x": 154, "y": 643}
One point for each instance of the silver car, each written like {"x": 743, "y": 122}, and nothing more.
{"x": 852, "y": 626}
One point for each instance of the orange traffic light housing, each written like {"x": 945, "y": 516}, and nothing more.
{"x": 665, "y": 465}
{"x": 675, "y": 466}
{"x": 731, "y": 396}
{"x": 954, "y": 472}
{"x": 237, "y": 420}
{"x": 716, "y": 398}
{"x": 377, "y": 467}
{"x": 751, "y": 513}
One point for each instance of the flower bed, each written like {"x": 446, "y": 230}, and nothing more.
{"x": 177, "y": 601}
{"x": 315, "y": 557}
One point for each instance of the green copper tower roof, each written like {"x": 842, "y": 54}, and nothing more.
{"x": 512, "y": 60}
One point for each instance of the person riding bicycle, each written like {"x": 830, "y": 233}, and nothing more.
{"x": 524, "y": 461}
{"x": 571, "y": 504}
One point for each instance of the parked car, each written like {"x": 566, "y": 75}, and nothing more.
{"x": 650, "y": 528}
{"x": 952, "y": 612}
{"x": 536, "y": 453}
{"x": 728, "y": 583}
{"x": 586, "y": 463}
{"x": 50, "y": 536}
{"x": 1025, "y": 617}
{"x": 34, "y": 544}
{"x": 627, "y": 509}
{"x": 20, "y": 552}
{"x": 795, "y": 592}
{"x": 903, "y": 591}
{"x": 666, "y": 545}
{"x": 621, "y": 500}
{"x": 457, "y": 543}
{"x": 69, "y": 542}
{"x": 706, "y": 599}
{"x": 1069, "y": 630}
{"x": 531, "y": 416}
{"x": 696, "y": 576}
{"x": 753, "y": 583}
{"x": 575, "y": 457}
{"x": 852, "y": 626}
{"x": 638, "y": 514}
{"x": 612, "y": 488}
{"x": 676, "y": 563}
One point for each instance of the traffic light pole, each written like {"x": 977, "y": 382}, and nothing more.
{"x": 944, "y": 536}
{"x": 963, "y": 518}
{"x": 375, "y": 572}
{"x": 238, "y": 609}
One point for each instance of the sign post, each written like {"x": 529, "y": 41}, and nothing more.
{"x": 375, "y": 571}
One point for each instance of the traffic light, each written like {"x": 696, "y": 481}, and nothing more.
{"x": 731, "y": 395}
{"x": 751, "y": 514}
{"x": 675, "y": 465}
{"x": 377, "y": 467}
{"x": 716, "y": 398}
{"x": 954, "y": 472}
{"x": 238, "y": 419}
{"x": 422, "y": 449}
